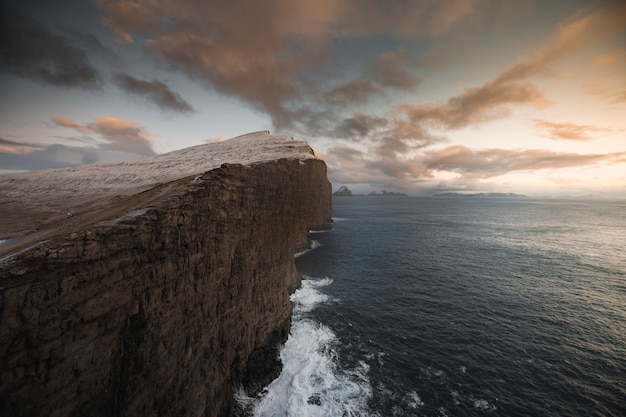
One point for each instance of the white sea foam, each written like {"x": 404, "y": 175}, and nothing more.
{"x": 308, "y": 297}
{"x": 414, "y": 400}
{"x": 311, "y": 383}
{"x": 484, "y": 405}
{"x": 314, "y": 245}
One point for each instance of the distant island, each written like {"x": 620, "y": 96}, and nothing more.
{"x": 481, "y": 195}
{"x": 344, "y": 191}
{"x": 385, "y": 193}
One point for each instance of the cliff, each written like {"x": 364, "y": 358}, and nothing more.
{"x": 162, "y": 288}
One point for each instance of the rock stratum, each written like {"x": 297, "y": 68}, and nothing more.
{"x": 156, "y": 287}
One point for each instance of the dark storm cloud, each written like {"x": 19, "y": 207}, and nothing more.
{"x": 357, "y": 127}
{"x": 30, "y": 50}
{"x": 394, "y": 69}
{"x": 351, "y": 92}
{"x": 154, "y": 91}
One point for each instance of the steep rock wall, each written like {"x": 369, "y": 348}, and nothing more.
{"x": 164, "y": 311}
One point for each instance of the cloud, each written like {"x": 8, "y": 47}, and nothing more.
{"x": 17, "y": 148}
{"x": 619, "y": 97}
{"x": 392, "y": 163}
{"x": 154, "y": 91}
{"x": 358, "y": 126}
{"x": 26, "y": 156}
{"x": 573, "y": 36}
{"x": 411, "y": 18}
{"x": 114, "y": 134}
{"x": 278, "y": 55}
{"x": 511, "y": 87}
{"x": 351, "y": 92}
{"x": 106, "y": 139}
{"x": 281, "y": 65}
{"x": 61, "y": 122}
{"x": 475, "y": 105}
{"x": 567, "y": 131}
{"x": 122, "y": 135}
{"x": 486, "y": 163}
{"x": 393, "y": 169}
{"x": 393, "y": 69}
{"x": 609, "y": 59}
{"x": 30, "y": 50}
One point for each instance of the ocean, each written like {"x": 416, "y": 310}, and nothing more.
{"x": 459, "y": 307}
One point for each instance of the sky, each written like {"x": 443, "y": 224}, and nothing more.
{"x": 418, "y": 96}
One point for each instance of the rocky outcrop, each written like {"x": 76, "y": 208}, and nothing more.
{"x": 385, "y": 193}
{"x": 167, "y": 308}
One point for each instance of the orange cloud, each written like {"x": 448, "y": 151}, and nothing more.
{"x": 474, "y": 105}
{"x": 117, "y": 134}
{"x": 609, "y": 59}
{"x": 61, "y": 122}
{"x": 567, "y": 131}
{"x": 619, "y": 97}
{"x": 513, "y": 86}
{"x": 123, "y": 135}
{"x": 7, "y": 146}
{"x": 486, "y": 163}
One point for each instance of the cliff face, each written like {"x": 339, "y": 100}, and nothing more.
{"x": 166, "y": 309}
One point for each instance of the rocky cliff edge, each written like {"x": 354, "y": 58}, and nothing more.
{"x": 155, "y": 287}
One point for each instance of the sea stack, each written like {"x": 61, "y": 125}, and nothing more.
{"x": 153, "y": 287}
{"x": 343, "y": 191}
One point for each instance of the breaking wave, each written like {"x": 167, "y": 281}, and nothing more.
{"x": 311, "y": 384}
{"x": 314, "y": 245}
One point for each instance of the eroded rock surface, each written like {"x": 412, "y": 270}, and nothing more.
{"x": 165, "y": 306}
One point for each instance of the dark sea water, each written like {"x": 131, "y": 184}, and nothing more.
{"x": 459, "y": 307}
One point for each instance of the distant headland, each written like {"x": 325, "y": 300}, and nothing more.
{"x": 344, "y": 191}
{"x": 481, "y": 195}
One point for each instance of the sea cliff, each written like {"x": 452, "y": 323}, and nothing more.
{"x": 160, "y": 295}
